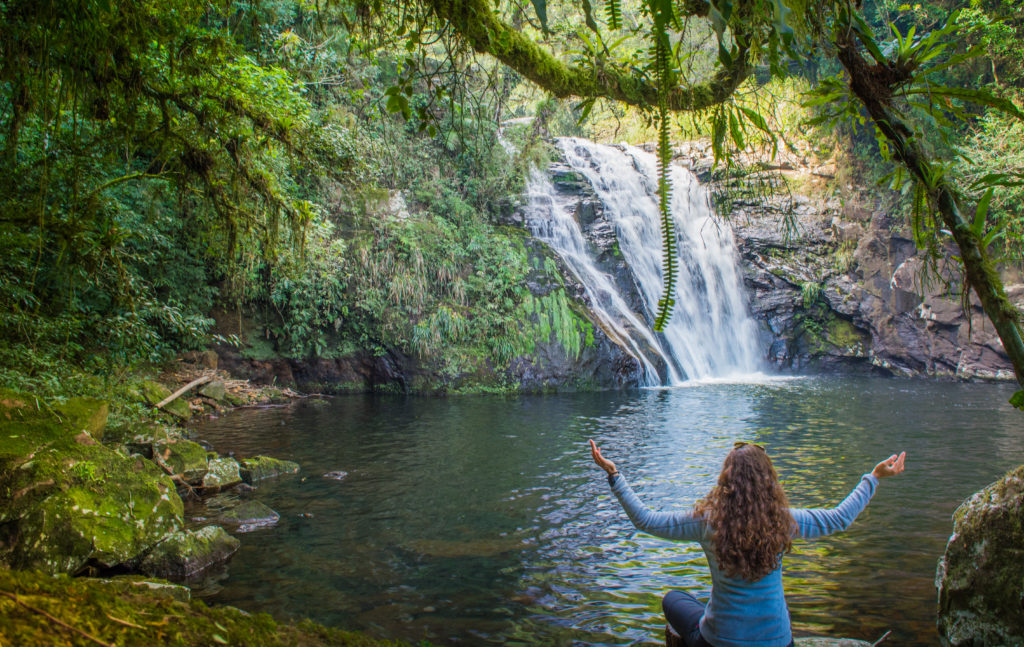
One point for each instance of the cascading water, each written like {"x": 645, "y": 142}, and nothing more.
{"x": 710, "y": 334}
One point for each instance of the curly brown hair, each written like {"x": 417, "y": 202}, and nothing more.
{"x": 751, "y": 527}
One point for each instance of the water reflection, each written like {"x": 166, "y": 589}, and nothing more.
{"x": 472, "y": 520}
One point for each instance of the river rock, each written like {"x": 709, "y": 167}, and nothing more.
{"x": 981, "y": 575}
{"x": 248, "y": 515}
{"x": 67, "y": 501}
{"x": 187, "y": 553}
{"x": 184, "y": 458}
{"x": 258, "y": 468}
{"x": 221, "y": 473}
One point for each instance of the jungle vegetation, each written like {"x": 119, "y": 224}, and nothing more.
{"x": 164, "y": 160}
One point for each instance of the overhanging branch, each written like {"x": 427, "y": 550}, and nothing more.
{"x": 476, "y": 21}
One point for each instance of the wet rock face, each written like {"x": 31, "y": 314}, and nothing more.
{"x": 981, "y": 575}
{"x": 847, "y": 290}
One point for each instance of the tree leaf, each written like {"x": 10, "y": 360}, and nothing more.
{"x": 978, "y": 227}
{"x": 974, "y": 96}
{"x": 1017, "y": 399}
{"x": 541, "y": 7}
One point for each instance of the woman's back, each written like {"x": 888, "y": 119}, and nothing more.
{"x": 744, "y": 609}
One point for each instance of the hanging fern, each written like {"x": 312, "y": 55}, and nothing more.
{"x": 614, "y": 11}
{"x": 668, "y": 234}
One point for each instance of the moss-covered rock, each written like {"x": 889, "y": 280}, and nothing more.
{"x": 258, "y": 468}
{"x": 182, "y": 457}
{"x": 129, "y": 615}
{"x": 981, "y": 575}
{"x": 187, "y": 553}
{"x": 221, "y": 473}
{"x": 154, "y": 393}
{"x": 84, "y": 414}
{"x": 66, "y": 501}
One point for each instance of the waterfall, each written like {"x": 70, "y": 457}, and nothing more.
{"x": 710, "y": 334}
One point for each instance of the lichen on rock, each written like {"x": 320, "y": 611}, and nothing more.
{"x": 221, "y": 473}
{"x": 981, "y": 575}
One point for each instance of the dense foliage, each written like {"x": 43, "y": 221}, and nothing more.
{"x": 333, "y": 170}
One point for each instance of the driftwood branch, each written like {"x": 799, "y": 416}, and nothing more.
{"x": 881, "y": 640}
{"x": 183, "y": 390}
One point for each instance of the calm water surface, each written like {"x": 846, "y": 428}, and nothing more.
{"x": 479, "y": 520}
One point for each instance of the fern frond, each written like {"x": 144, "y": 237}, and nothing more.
{"x": 614, "y": 10}
{"x": 669, "y": 248}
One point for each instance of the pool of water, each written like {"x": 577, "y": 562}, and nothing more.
{"x": 476, "y": 520}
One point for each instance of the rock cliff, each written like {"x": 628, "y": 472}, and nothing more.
{"x": 838, "y": 283}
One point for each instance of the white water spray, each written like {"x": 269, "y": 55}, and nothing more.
{"x": 710, "y": 334}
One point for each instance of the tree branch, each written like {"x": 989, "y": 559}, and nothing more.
{"x": 476, "y": 21}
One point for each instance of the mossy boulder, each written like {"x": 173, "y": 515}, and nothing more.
{"x": 221, "y": 473}
{"x": 67, "y": 502}
{"x": 258, "y": 468}
{"x": 188, "y": 553}
{"x": 155, "y": 393}
{"x": 981, "y": 575}
{"x": 182, "y": 457}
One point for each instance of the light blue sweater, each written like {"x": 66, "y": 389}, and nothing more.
{"x": 742, "y": 613}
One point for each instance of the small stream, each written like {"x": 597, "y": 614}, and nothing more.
{"x": 479, "y": 520}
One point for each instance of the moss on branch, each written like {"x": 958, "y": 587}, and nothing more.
{"x": 477, "y": 22}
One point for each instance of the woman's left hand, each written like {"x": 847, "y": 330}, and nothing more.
{"x": 602, "y": 462}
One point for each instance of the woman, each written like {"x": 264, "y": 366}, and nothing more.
{"x": 745, "y": 526}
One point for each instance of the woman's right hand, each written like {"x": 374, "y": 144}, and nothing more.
{"x": 890, "y": 466}
{"x": 602, "y": 462}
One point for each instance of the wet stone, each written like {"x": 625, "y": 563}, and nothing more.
{"x": 184, "y": 458}
{"x": 222, "y": 473}
{"x": 248, "y": 516}
{"x": 188, "y": 553}
{"x": 258, "y": 468}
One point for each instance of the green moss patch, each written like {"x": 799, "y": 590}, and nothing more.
{"x": 85, "y": 611}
